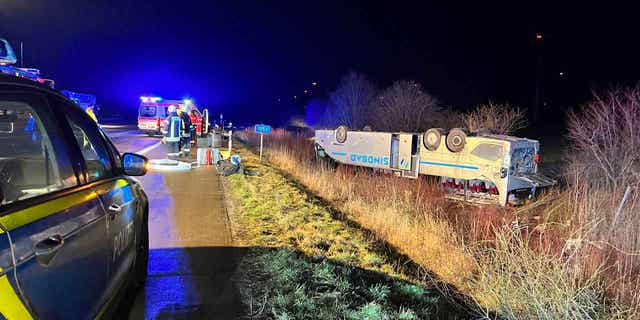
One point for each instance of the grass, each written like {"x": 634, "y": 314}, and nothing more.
{"x": 529, "y": 263}
{"x": 305, "y": 262}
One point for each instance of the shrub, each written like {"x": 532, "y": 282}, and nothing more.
{"x": 405, "y": 106}
{"x": 604, "y": 177}
{"x": 496, "y": 118}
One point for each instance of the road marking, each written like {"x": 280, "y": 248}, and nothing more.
{"x": 119, "y": 134}
{"x": 149, "y": 148}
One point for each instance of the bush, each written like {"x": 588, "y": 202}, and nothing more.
{"x": 496, "y": 118}
{"x": 604, "y": 175}
{"x": 405, "y": 106}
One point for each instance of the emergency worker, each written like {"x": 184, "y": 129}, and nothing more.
{"x": 194, "y": 119}
{"x": 186, "y": 132}
{"x": 174, "y": 133}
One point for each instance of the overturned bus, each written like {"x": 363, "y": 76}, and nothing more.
{"x": 481, "y": 168}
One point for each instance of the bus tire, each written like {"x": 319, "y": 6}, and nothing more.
{"x": 431, "y": 139}
{"x": 341, "y": 134}
{"x": 456, "y": 139}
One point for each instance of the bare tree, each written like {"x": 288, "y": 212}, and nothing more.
{"x": 604, "y": 182}
{"x": 405, "y": 106}
{"x": 451, "y": 118}
{"x": 605, "y": 138}
{"x": 351, "y": 101}
{"x": 495, "y": 118}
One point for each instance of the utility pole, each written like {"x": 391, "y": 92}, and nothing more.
{"x": 21, "y": 55}
{"x": 539, "y": 90}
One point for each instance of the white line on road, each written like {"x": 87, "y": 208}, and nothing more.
{"x": 149, "y": 148}
{"x": 119, "y": 134}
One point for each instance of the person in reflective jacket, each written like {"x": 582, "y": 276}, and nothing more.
{"x": 174, "y": 132}
{"x": 186, "y": 132}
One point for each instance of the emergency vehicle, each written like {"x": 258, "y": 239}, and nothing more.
{"x": 73, "y": 223}
{"x": 152, "y": 114}
{"x": 86, "y": 101}
{"x": 481, "y": 168}
{"x": 8, "y": 58}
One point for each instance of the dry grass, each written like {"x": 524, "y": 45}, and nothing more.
{"x": 529, "y": 263}
{"x": 303, "y": 263}
{"x": 604, "y": 172}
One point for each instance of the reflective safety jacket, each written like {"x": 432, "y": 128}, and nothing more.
{"x": 186, "y": 125}
{"x": 174, "y": 128}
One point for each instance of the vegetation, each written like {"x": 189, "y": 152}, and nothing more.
{"x": 495, "y": 118}
{"x": 405, "y": 106}
{"x": 572, "y": 254}
{"x": 528, "y": 263}
{"x": 306, "y": 262}
{"x": 604, "y": 192}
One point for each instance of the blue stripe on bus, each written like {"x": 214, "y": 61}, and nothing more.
{"x": 449, "y": 165}
{"x": 339, "y": 153}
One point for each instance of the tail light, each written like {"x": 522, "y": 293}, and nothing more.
{"x": 158, "y": 123}
{"x": 537, "y": 158}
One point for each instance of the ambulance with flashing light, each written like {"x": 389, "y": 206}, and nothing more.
{"x": 152, "y": 114}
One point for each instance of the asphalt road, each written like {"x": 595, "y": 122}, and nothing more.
{"x": 192, "y": 256}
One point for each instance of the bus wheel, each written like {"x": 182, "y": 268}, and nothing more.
{"x": 431, "y": 139}
{"x": 456, "y": 139}
{"x": 341, "y": 134}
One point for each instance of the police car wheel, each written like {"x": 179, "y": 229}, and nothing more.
{"x": 142, "y": 256}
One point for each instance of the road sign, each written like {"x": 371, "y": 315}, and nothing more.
{"x": 262, "y": 128}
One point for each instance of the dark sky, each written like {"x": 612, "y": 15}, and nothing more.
{"x": 240, "y": 56}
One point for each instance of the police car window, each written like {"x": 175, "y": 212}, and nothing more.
{"x": 96, "y": 157}
{"x": 117, "y": 159}
{"x": 488, "y": 151}
{"x": 148, "y": 111}
{"x": 32, "y": 161}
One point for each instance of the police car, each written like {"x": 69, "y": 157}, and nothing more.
{"x": 73, "y": 223}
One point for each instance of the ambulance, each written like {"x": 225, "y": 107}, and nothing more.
{"x": 152, "y": 114}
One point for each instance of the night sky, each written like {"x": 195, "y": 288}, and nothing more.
{"x": 239, "y": 57}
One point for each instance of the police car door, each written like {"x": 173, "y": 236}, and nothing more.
{"x": 115, "y": 193}
{"x": 57, "y": 225}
